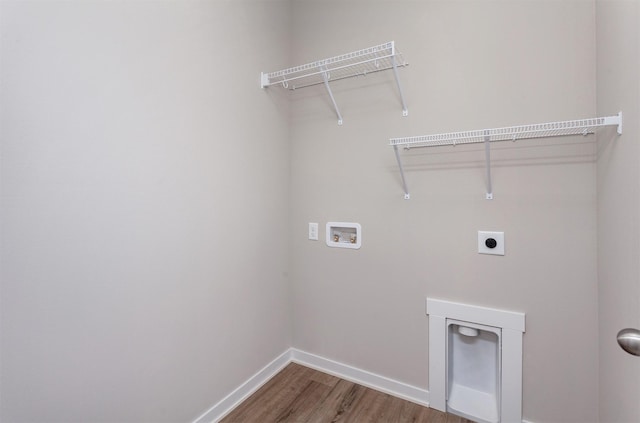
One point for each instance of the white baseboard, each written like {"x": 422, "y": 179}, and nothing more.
{"x": 343, "y": 371}
{"x": 362, "y": 377}
{"x": 352, "y": 374}
{"x": 231, "y": 401}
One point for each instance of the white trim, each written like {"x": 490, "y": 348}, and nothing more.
{"x": 343, "y": 371}
{"x": 244, "y": 391}
{"x": 362, "y": 377}
{"x": 512, "y": 325}
{"x": 437, "y": 362}
{"x": 476, "y": 314}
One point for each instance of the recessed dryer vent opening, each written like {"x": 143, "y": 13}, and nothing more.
{"x": 473, "y": 371}
{"x": 475, "y": 361}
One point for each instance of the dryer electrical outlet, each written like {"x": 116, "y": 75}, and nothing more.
{"x": 491, "y": 243}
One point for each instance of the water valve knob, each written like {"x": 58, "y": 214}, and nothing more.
{"x": 491, "y": 243}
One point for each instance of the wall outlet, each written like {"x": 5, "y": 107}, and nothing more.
{"x": 313, "y": 231}
{"x": 491, "y": 243}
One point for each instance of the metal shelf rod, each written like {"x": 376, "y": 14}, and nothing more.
{"x": 335, "y": 105}
{"x": 405, "y": 111}
{"x": 407, "y": 196}
{"x": 334, "y": 78}
{"x": 487, "y": 152}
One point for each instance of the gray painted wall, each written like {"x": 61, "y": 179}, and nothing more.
{"x": 618, "y": 46}
{"x": 152, "y": 204}
{"x": 144, "y": 206}
{"x": 473, "y": 65}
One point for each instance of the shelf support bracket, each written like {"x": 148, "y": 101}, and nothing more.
{"x": 487, "y": 150}
{"x": 405, "y": 111}
{"x": 325, "y": 76}
{"x": 264, "y": 80}
{"x": 615, "y": 120}
{"x": 407, "y": 196}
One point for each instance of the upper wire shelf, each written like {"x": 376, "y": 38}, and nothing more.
{"x": 509, "y": 133}
{"x": 362, "y": 62}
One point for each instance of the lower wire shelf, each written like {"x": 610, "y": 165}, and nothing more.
{"x": 510, "y": 133}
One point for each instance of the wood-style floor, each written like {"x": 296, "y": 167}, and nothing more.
{"x": 299, "y": 394}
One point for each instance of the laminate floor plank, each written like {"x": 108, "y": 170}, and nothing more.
{"x": 304, "y": 404}
{"x": 451, "y": 418}
{"x": 393, "y": 410}
{"x": 299, "y": 394}
{"x": 324, "y": 378}
{"x": 414, "y": 413}
{"x": 368, "y": 409}
{"x": 339, "y": 401}
{"x": 270, "y": 400}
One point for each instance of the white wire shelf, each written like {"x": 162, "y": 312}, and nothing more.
{"x": 510, "y": 133}
{"x": 358, "y": 63}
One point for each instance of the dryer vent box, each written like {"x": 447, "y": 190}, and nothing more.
{"x": 344, "y": 235}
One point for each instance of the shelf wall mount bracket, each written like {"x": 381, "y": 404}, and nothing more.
{"x": 487, "y": 152}
{"x": 325, "y": 77}
{"x": 407, "y": 196}
{"x": 614, "y": 120}
{"x": 405, "y": 111}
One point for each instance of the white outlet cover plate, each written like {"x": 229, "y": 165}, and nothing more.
{"x": 313, "y": 231}
{"x": 482, "y": 247}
